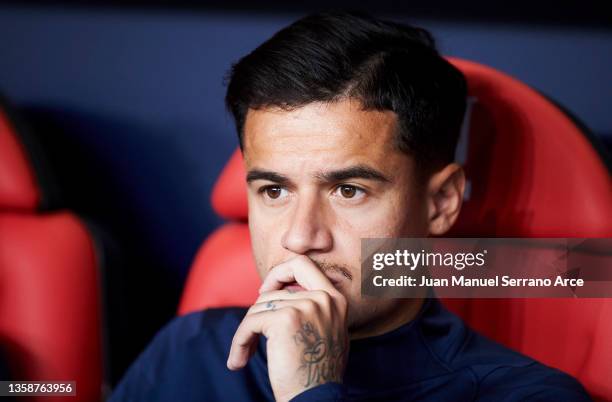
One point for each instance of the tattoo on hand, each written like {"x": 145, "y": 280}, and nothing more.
{"x": 322, "y": 357}
{"x": 270, "y": 305}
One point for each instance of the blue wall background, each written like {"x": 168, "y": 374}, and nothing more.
{"x": 130, "y": 105}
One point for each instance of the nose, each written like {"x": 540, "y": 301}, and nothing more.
{"x": 308, "y": 229}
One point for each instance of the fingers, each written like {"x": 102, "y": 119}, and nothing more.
{"x": 245, "y": 338}
{"x": 280, "y": 295}
{"x": 300, "y": 269}
{"x": 278, "y": 311}
{"x": 310, "y": 303}
{"x": 265, "y": 323}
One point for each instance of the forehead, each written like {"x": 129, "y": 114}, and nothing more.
{"x": 333, "y": 134}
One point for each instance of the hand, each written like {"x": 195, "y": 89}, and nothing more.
{"x": 306, "y": 331}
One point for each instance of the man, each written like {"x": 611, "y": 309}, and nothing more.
{"x": 348, "y": 127}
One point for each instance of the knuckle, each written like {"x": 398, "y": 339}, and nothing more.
{"x": 251, "y": 310}
{"x": 310, "y": 306}
{"x": 246, "y": 322}
{"x": 291, "y": 316}
{"x": 341, "y": 303}
{"x": 324, "y": 300}
{"x": 324, "y": 297}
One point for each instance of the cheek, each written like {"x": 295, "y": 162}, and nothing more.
{"x": 258, "y": 244}
{"x": 380, "y": 220}
{"x": 391, "y": 217}
{"x": 265, "y": 242}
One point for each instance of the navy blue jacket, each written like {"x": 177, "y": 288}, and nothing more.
{"x": 435, "y": 357}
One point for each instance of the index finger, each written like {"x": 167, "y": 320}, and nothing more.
{"x": 300, "y": 269}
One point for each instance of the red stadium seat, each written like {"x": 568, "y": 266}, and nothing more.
{"x": 50, "y": 316}
{"x": 532, "y": 172}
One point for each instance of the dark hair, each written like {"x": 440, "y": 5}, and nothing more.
{"x": 385, "y": 65}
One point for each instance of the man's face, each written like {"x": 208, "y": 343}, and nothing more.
{"x": 322, "y": 177}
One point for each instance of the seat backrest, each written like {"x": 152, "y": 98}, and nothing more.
{"x": 50, "y": 321}
{"x": 532, "y": 171}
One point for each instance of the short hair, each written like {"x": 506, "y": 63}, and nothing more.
{"x": 331, "y": 56}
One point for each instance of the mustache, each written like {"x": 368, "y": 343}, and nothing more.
{"x": 336, "y": 268}
{"x": 325, "y": 267}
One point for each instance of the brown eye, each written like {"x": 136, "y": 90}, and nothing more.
{"x": 273, "y": 192}
{"x": 348, "y": 191}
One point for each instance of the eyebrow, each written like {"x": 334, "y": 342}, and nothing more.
{"x": 258, "y": 174}
{"x": 352, "y": 172}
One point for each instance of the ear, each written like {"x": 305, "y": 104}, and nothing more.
{"x": 444, "y": 198}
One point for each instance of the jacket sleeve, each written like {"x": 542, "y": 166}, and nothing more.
{"x": 142, "y": 379}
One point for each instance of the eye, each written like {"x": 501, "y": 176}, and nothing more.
{"x": 273, "y": 192}
{"x": 348, "y": 191}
